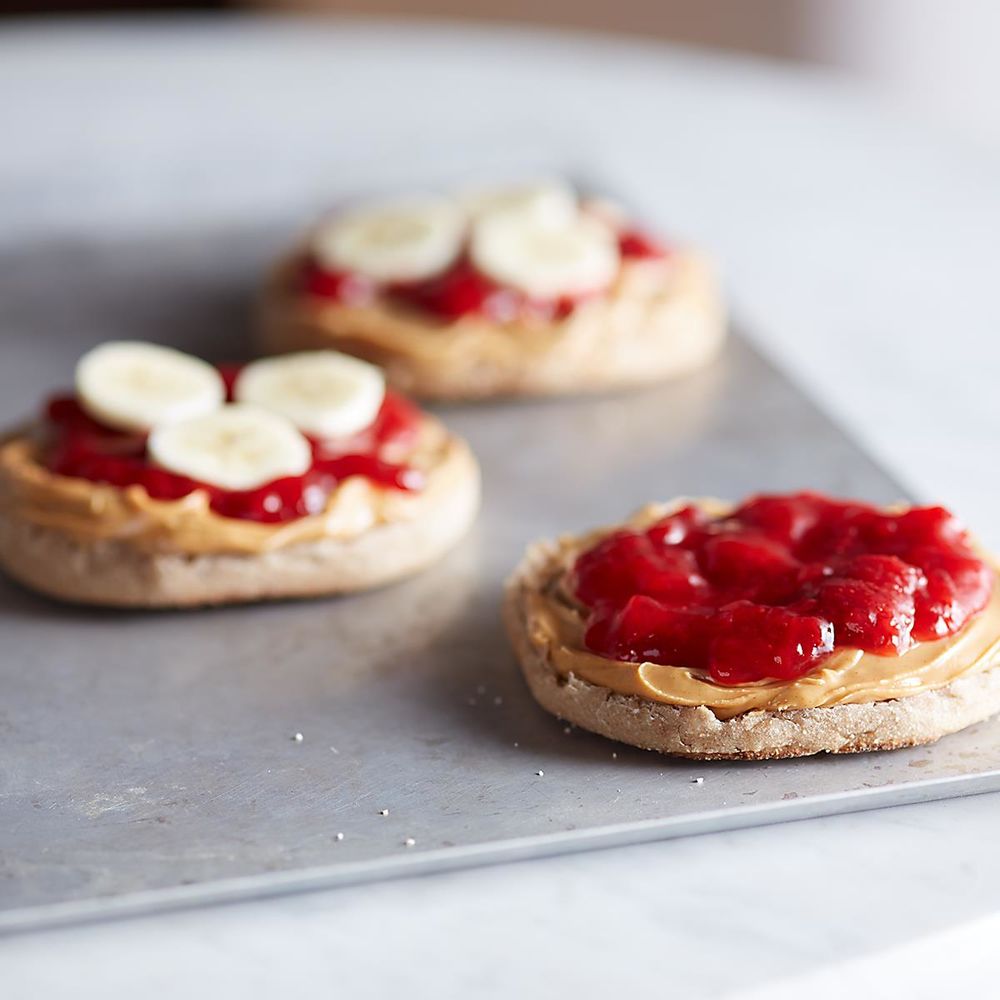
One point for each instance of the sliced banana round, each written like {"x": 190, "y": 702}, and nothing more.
{"x": 551, "y": 202}
{"x": 237, "y": 447}
{"x": 324, "y": 393}
{"x": 133, "y": 386}
{"x": 397, "y": 241}
{"x": 546, "y": 261}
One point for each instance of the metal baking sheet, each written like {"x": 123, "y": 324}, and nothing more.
{"x": 148, "y": 759}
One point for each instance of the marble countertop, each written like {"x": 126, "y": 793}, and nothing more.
{"x": 860, "y": 250}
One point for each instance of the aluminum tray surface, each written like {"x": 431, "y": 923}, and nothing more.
{"x": 148, "y": 759}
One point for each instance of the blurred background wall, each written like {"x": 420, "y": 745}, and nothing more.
{"x": 939, "y": 57}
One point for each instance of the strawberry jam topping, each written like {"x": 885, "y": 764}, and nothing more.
{"x": 637, "y": 245}
{"x": 463, "y": 290}
{"x": 769, "y": 590}
{"x": 86, "y": 449}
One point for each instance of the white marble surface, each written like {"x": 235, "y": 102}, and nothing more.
{"x": 860, "y": 249}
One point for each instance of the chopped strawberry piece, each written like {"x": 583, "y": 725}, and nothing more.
{"x": 751, "y": 641}
{"x": 750, "y": 565}
{"x": 887, "y": 572}
{"x": 638, "y": 245}
{"x": 677, "y": 528}
{"x": 646, "y": 630}
{"x": 345, "y": 287}
{"x": 869, "y": 617}
{"x": 958, "y": 586}
{"x": 640, "y": 568}
{"x": 456, "y": 293}
{"x": 783, "y": 518}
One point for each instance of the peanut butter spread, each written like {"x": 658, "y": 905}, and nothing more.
{"x": 91, "y": 511}
{"x": 848, "y": 676}
{"x": 655, "y": 307}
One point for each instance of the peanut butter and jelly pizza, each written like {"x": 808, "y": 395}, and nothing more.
{"x": 527, "y": 289}
{"x": 779, "y": 627}
{"x": 162, "y": 480}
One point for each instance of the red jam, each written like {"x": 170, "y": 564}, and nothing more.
{"x": 463, "y": 290}
{"x": 85, "y": 449}
{"x": 636, "y": 245}
{"x": 771, "y": 589}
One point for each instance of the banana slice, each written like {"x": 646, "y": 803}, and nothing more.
{"x": 546, "y": 261}
{"x": 398, "y": 241}
{"x": 552, "y": 202}
{"x": 237, "y": 447}
{"x": 323, "y": 393}
{"x": 132, "y": 386}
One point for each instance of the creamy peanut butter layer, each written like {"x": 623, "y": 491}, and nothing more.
{"x": 556, "y": 624}
{"x": 648, "y": 296}
{"x": 93, "y": 511}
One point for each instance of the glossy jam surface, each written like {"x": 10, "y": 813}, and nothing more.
{"x": 771, "y": 589}
{"x": 85, "y": 449}
{"x": 463, "y": 290}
